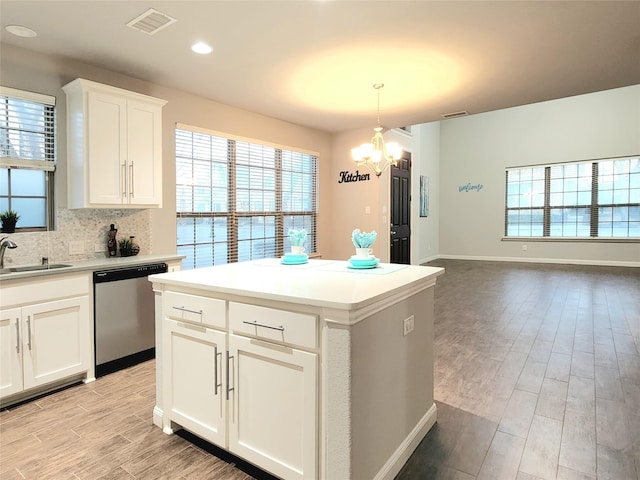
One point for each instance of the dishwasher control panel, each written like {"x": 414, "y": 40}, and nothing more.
{"x": 124, "y": 273}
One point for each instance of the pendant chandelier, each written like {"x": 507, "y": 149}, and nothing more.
{"x": 377, "y": 156}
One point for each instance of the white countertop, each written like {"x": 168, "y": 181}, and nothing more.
{"x": 324, "y": 283}
{"x": 92, "y": 265}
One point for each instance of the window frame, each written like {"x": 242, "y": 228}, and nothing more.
{"x": 231, "y": 245}
{"x": 547, "y": 206}
{"x": 47, "y": 163}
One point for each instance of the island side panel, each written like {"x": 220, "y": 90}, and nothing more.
{"x": 158, "y": 413}
{"x": 336, "y": 437}
{"x": 392, "y": 405}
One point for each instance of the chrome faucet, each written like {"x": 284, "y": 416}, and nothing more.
{"x": 5, "y": 243}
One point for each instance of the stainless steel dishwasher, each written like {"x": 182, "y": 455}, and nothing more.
{"x": 124, "y": 316}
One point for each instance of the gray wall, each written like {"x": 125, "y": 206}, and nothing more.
{"x": 478, "y": 148}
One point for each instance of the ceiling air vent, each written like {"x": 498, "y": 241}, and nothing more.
{"x": 151, "y": 21}
{"x": 461, "y": 113}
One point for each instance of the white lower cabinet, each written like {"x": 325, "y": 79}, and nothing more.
{"x": 11, "y": 352}
{"x": 273, "y": 419}
{"x": 195, "y": 372}
{"x": 43, "y": 343}
{"x": 249, "y": 395}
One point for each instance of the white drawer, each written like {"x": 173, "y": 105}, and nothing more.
{"x": 194, "y": 308}
{"x": 272, "y": 324}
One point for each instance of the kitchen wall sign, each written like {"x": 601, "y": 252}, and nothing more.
{"x": 470, "y": 187}
{"x": 346, "y": 177}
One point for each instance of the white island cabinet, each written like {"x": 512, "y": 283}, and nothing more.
{"x": 311, "y": 371}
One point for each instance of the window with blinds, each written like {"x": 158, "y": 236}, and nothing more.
{"x": 236, "y": 200}
{"x": 595, "y": 199}
{"x": 27, "y": 157}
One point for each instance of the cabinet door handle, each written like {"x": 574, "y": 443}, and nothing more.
{"x": 229, "y": 389}
{"x": 215, "y": 370}
{"x": 131, "y": 179}
{"x": 29, "y": 331}
{"x": 185, "y": 309}
{"x": 256, "y": 324}
{"x": 124, "y": 180}
{"x": 17, "y": 335}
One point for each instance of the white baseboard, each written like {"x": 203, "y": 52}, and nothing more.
{"x": 395, "y": 463}
{"x": 422, "y": 261}
{"x": 565, "y": 261}
{"x": 158, "y": 414}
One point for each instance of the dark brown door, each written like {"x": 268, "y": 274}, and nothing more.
{"x": 400, "y": 232}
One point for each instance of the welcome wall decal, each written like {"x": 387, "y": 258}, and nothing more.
{"x": 346, "y": 177}
{"x": 470, "y": 187}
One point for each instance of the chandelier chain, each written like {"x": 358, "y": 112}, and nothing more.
{"x": 378, "y": 86}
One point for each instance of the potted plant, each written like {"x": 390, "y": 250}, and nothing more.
{"x": 128, "y": 247}
{"x": 9, "y": 219}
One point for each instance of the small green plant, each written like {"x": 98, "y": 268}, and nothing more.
{"x": 9, "y": 219}
{"x": 124, "y": 244}
{"x": 128, "y": 247}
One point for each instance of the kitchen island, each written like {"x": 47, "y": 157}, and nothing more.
{"x": 312, "y": 371}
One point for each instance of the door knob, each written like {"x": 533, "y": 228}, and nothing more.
{"x": 392, "y": 232}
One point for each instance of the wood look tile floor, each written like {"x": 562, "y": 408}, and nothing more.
{"x": 537, "y": 376}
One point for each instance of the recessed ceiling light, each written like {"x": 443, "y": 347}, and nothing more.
{"x": 20, "y": 31}
{"x": 201, "y": 48}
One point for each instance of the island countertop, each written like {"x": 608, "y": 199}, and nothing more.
{"x": 320, "y": 283}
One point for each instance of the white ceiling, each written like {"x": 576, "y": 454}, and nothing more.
{"x": 314, "y": 62}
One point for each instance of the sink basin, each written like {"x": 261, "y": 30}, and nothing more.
{"x": 32, "y": 268}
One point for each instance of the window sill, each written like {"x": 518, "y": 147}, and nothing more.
{"x": 572, "y": 239}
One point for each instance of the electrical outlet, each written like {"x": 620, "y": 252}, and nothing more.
{"x": 408, "y": 325}
{"x": 524, "y": 248}
{"x": 99, "y": 247}
{"x": 76, "y": 247}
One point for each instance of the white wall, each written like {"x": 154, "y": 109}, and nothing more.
{"x": 46, "y": 74}
{"x": 477, "y": 150}
{"x": 365, "y": 204}
{"x": 474, "y": 149}
{"x": 425, "y": 240}
{"x": 351, "y": 200}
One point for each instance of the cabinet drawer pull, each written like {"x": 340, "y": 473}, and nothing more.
{"x": 215, "y": 370}
{"x": 17, "y": 335}
{"x": 131, "y": 179}
{"x": 256, "y": 324}
{"x": 124, "y": 179}
{"x": 229, "y": 389}
{"x": 29, "y": 331}
{"x": 185, "y": 309}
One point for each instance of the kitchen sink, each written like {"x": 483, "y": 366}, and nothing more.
{"x": 32, "y": 268}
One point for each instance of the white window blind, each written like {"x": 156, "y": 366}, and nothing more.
{"x": 236, "y": 199}
{"x": 27, "y": 130}
{"x": 27, "y": 156}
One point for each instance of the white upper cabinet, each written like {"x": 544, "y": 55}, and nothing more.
{"x": 114, "y": 145}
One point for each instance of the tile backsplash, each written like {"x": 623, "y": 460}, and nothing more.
{"x": 88, "y": 226}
